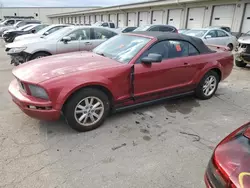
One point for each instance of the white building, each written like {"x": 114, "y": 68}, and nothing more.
{"x": 39, "y": 13}
{"x": 179, "y": 13}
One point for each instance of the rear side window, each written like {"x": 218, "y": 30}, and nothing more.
{"x": 105, "y": 25}
{"x": 100, "y": 33}
{"x": 156, "y": 28}
{"x": 166, "y": 29}
{"x": 221, "y": 34}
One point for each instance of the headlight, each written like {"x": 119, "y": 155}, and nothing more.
{"x": 38, "y": 92}
{"x": 16, "y": 50}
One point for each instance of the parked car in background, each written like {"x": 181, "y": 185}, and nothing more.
{"x": 242, "y": 52}
{"x": 105, "y": 24}
{"x": 225, "y": 28}
{"x": 214, "y": 37}
{"x": 10, "y": 36}
{"x": 183, "y": 31}
{"x": 18, "y": 24}
{"x": 126, "y": 29}
{"x": 69, "y": 39}
{"x": 127, "y": 70}
{"x": 9, "y": 22}
{"x": 161, "y": 28}
{"x": 229, "y": 165}
{"x": 44, "y": 32}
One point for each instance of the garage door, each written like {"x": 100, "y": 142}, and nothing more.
{"x": 143, "y": 18}
{"x": 157, "y": 17}
{"x": 105, "y": 18}
{"x": 195, "y": 17}
{"x": 223, "y": 15}
{"x": 131, "y": 19}
{"x": 92, "y": 19}
{"x": 98, "y": 18}
{"x": 112, "y": 18}
{"x": 246, "y": 21}
{"x": 174, "y": 17}
{"x": 86, "y": 21}
{"x": 121, "y": 20}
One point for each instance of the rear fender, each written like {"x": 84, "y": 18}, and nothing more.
{"x": 206, "y": 69}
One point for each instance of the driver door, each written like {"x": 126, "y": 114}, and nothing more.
{"x": 70, "y": 46}
{"x": 211, "y": 38}
{"x": 173, "y": 75}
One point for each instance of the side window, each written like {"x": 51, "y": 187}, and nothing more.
{"x": 221, "y": 34}
{"x": 212, "y": 34}
{"x": 178, "y": 49}
{"x": 158, "y": 48}
{"x": 52, "y": 30}
{"x": 192, "y": 51}
{"x": 105, "y": 24}
{"x": 100, "y": 33}
{"x": 112, "y": 25}
{"x": 22, "y": 24}
{"x": 166, "y": 29}
{"x": 156, "y": 28}
{"x": 10, "y": 22}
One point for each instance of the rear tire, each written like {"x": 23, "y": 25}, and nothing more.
{"x": 207, "y": 86}
{"x": 87, "y": 109}
{"x": 39, "y": 55}
{"x": 240, "y": 63}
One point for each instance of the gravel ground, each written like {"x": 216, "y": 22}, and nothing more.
{"x": 164, "y": 145}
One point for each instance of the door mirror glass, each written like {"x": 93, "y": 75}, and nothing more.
{"x": 46, "y": 33}
{"x": 33, "y": 31}
{"x": 66, "y": 39}
{"x": 208, "y": 37}
{"x": 152, "y": 58}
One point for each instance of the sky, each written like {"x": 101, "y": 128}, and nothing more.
{"x": 64, "y": 3}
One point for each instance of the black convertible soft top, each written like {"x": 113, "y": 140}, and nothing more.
{"x": 197, "y": 42}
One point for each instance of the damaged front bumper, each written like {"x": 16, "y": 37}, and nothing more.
{"x": 242, "y": 53}
{"x": 18, "y": 58}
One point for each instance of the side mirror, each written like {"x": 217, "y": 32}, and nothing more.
{"x": 208, "y": 37}
{"x": 66, "y": 39}
{"x": 151, "y": 58}
{"x": 33, "y": 31}
{"x": 46, "y": 33}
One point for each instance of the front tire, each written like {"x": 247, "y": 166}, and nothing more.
{"x": 207, "y": 86}
{"x": 230, "y": 46}
{"x": 39, "y": 55}
{"x": 240, "y": 63}
{"x": 87, "y": 109}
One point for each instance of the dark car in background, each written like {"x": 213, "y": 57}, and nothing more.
{"x": 229, "y": 166}
{"x": 161, "y": 28}
{"x": 10, "y": 36}
{"x": 126, "y": 29}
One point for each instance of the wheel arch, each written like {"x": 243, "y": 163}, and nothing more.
{"x": 94, "y": 86}
{"x": 41, "y": 51}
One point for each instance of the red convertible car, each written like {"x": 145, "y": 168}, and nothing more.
{"x": 229, "y": 166}
{"x": 125, "y": 71}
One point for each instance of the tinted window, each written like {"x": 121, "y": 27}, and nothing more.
{"x": 192, "y": 50}
{"x": 212, "y": 33}
{"x": 166, "y": 29}
{"x": 158, "y": 48}
{"x": 221, "y": 34}
{"x": 156, "y": 28}
{"x": 178, "y": 49}
{"x": 103, "y": 33}
{"x": 226, "y": 29}
{"x": 105, "y": 25}
{"x": 112, "y": 25}
{"x": 129, "y": 29}
{"x": 10, "y": 22}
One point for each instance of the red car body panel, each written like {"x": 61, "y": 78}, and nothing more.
{"x": 231, "y": 158}
{"x": 62, "y": 75}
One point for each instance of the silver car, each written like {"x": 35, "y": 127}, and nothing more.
{"x": 45, "y": 31}
{"x": 69, "y": 39}
{"x": 214, "y": 36}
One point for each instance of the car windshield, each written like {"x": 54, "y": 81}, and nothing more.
{"x": 143, "y": 28}
{"x": 29, "y": 27}
{"x": 121, "y": 48}
{"x": 42, "y": 31}
{"x": 59, "y": 33}
{"x": 196, "y": 33}
{"x": 23, "y": 27}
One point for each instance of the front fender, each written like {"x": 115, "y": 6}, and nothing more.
{"x": 67, "y": 91}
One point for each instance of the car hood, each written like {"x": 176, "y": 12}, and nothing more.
{"x": 25, "y": 42}
{"x": 27, "y": 36}
{"x": 39, "y": 70}
{"x": 244, "y": 40}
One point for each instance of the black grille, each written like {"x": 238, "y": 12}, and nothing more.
{"x": 7, "y": 49}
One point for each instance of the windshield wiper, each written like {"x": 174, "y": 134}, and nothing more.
{"x": 102, "y": 54}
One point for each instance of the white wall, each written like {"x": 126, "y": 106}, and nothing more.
{"x": 42, "y": 12}
{"x": 238, "y": 14}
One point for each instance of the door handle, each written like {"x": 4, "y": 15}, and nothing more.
{"x": 186, "y": 63}
{"x": 88, "y": 43}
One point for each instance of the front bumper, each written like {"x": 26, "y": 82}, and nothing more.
{"x": 33, "y": 107}
{"x": 207, "y": 182}
{"x": 18, "y": 58}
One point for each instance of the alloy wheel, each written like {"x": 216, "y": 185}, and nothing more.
{"x": 209, "y": 85}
